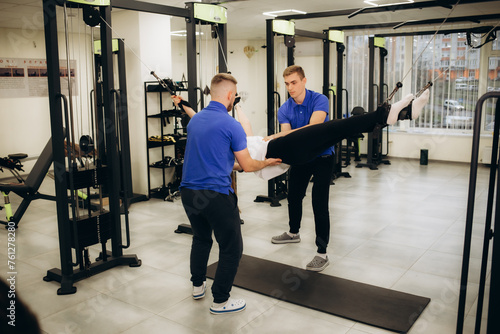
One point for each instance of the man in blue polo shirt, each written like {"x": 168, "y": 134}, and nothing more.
{"x": 214, "y": 140}
{"x": 304, "y": 108}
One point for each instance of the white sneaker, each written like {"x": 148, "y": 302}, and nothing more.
{"x": 230, "y": 306}
{"x": 199, "y": 291}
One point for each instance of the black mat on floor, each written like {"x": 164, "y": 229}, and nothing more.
{"x": 372, "y": 305}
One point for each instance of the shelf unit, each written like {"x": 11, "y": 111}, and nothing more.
{"x": 171, "y": 140}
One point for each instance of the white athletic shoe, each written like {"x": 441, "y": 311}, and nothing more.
{"x": 199, "y": 291}
{"x": 230, "y": 306}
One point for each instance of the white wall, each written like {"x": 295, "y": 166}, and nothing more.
{"x": 147, "y": 48}
{"x": 25, "y": 121}
{"x": 449, "y": 147}
{"x": 25, "y": 126}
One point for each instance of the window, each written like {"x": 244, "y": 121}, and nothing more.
{"x": 454, "y": 93}
{"x": 493, "y": 85}
{"x": 496, "y": 44}
{"x": 446, "y": 61}
{"x": 357, "y": 71}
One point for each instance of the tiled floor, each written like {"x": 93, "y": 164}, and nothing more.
{"x": 398, "y": 227}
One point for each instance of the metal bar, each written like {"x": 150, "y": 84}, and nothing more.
{"x": 147, "y": 137}
{"x": 340, "y": 78}
{"x": 382, "y": 54}
{"x": 371, "y": 69}
{"x": 470, "y": 211}
{"x": 369, "y": 10}
{"x": 494, "y": 300}
{"x": 487, "y": 226}
{"x": 56, "y": 125}
{"x": 124, "y": 137}
{"x": 222, "y": 46}
{"x": 113, "y": 161}
{"x": 290, "y": 55}
{"x": 191, "y": 57}
{"x": 420, "y": 22}
{"x": 270, "y": 90}
{"x": 310, "y": 34}
{"x": 326, "y": 67}
{"x": 479, "y": 30}
{"x": 148, "y": 7}
{"x": 270, "y": 76}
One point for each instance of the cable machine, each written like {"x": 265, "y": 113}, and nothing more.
{"x": 216, "y": 16}
{"x": 277, "y": 188}
{"x": 78, "y": 170}
{"x": 374, "y": 156}
{"x": 337, "y": 37}
{"x": 493, "y": 322}
{"x": 490, "y": 234}
{"x": 118, "y": 50}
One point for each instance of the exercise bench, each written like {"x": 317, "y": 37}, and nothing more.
{"x": 27, "y": 189}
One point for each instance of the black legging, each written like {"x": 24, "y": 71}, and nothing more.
{"x": 307, "y": 143}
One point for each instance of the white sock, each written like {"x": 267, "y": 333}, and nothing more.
{"x": 397, "y": 107}
{"x": 324, "y": 256}
{"x": 292, "y": 234}
{"x": 419, "y": 103}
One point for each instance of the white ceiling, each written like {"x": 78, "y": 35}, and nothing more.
{"x": 245, "y": 19}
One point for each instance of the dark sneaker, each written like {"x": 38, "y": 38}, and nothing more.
{"x": 285, "y": 239}
{"x": 317, "y": 264}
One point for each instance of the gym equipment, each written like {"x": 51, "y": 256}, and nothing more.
{"x": 492, "y": 214}
{"x": 335, "y": 36}
{"x": 277, "y": 188}
{"x": 494, "y": 300}
{"x": 353, "y": 141}
{"x": 123, "y": 137}
{"x": 27, "y": 189}
{"x": 84, "y": 227}
{"x": 372, "y": 305}
{"x": 375, "y": 156}
{"x": 159, "y": 143}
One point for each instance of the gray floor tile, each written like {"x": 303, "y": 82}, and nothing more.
{"x": 401, "y": 227}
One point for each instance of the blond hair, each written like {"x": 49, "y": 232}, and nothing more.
{"x": 294, "y": 69}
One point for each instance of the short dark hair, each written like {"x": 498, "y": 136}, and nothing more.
{"x": 294, "y": 69}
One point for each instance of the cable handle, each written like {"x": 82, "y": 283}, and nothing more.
{"x": 429, "y": 84}
{"x": 162, "y": 83}
{"x": 398, "y": 86}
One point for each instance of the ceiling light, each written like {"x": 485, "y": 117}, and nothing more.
{"x": 376, "y": 3}
{"x": 182, "y": 33}
{"x": 283, "y": 12}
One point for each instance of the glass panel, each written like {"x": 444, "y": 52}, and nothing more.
{"x": 493, "y": 85}
{"x": 495, "y": 45}
{"x": 357, "y": 71}
{"x": 453, "y": 67}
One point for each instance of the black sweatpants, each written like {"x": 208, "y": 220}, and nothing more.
{"x": 300, "y": 175}
{"x": 305, "y": 144}
{"x": 209, "y": 211}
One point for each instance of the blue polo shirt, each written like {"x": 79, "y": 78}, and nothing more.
{"x": 299, "y": 115}
{"x": 212, "y": 138}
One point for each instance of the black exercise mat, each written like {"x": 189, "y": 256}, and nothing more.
{"x": 372, "y": 305}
